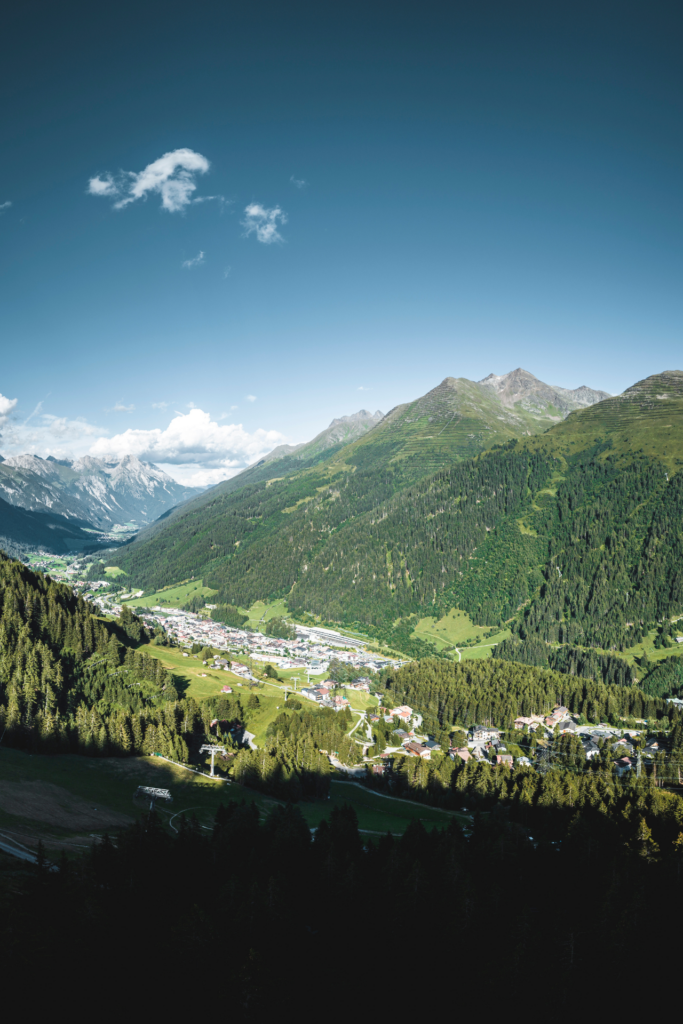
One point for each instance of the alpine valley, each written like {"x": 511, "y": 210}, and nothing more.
{"x": 549, "y": 512}
{"x": 74, "y": 503}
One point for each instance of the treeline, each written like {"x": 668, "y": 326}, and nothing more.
{"x": 496, "y": 692}
{"x": 572, "y": 661}
{"x": 252, "y": 888}
{"x": 342, "y": 672}
{"x": 229, "y": 615}
{"x": 294, "y": 764}
{"x": 72, "y": 682}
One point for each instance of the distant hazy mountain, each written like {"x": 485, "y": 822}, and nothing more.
{"x": 520, "y": 389}
{"x": 101, "y": 494}
{"x": 20, "y": 527}
{"x": 343, "y": 430}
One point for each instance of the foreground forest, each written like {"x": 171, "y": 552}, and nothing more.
{"x": 280, "y": 912}
{"x": 488, "y": 886}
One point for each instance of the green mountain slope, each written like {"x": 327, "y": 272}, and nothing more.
{"x": 647, "y": 418}
{"x": 571, "y": 535}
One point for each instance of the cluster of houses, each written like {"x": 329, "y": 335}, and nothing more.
{"x": 324, "y": 696}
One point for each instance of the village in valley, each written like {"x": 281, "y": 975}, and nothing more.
{"x": 242, "y": 652}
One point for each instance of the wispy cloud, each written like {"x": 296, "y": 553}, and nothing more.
{"x": 160, "y": 405}
{"x": 171, "y": 176}
{"x": 361, "y": 388}
{"x": 227, "y": 271}
{"x": 250, "y": 398}
{"x": 263, "y": 222}
{"x": 38, "y": 409}
{"x": 120, "y": 407}
{"x": 6, "y": 205}
{"x": 298, "y": 182}
{"x": 233, "y": 407}
{"x": 198, "y": 259}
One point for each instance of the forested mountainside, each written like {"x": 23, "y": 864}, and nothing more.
{"x": 71, "y": 682}
{"x": 20, "y": 527}
{"x": 573, "y": 532}
{"x": 455, "y": 420}
{"x": 557, "y": 865}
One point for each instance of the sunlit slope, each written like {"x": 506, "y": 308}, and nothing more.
{"x": 647, "y": 420}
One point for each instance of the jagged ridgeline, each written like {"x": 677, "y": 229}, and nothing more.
{"x": 70, "y": 682}
{"x": 571, "y": 535}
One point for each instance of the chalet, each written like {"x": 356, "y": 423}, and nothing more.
{"x": 623, "y": 765}
{"x": 590, "y": 749}
{"x": 505, "y": 759}
{"x": 433, "y": 745}
{"x": 567, "y": 726}
{"x": 226, "y": 689}
{"x": 417, "y": 750}
{"x": 403, "y": 736}
{"x": 311, "y": 692}
{"x": 484, "y": 734}
{"x": 461, "y": 752}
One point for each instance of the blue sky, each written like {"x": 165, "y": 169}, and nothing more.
{"x": 401, "y": 192}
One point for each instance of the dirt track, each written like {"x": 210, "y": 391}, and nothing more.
{"x": 43, "y": 801}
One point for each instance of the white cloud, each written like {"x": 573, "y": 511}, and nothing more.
{"x": 250, "y": 398}
{"x": 193, "y": 443}
{"x": 298, "y": 182}
{"x": 6, "y": 205}
{"x": 226, "y": 272}
{"x": 171, "y": 176}
{"x": 197, "y": 261}
{"x": 160, "y": 405}
{"x": 361, "y": 388}
{"x": 49, "y": 435}
{"x": 120, "y": 407}
{"x": 102, "y": 186}
{"x": 6, "y": 407}
{"x": 262, "y": 222}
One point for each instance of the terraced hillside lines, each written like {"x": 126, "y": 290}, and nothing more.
{"x": 647, "y": 419}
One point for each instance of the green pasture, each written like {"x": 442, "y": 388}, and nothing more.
{"x": 193, "y": 678}
{"x": 263, "y": 611}
{"x": 113, "y": 572}
{"x": 453, "y": 630}
{"x": 174, "y": 597}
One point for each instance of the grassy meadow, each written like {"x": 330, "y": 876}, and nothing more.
{"x": 174, "y": 597}
{"x": 71, "y": 798}
{"x": 457, "y": 629}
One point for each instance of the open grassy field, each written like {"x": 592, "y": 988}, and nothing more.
{"x": 455, "y": 629}
{"x": 113, "y": 571}
{"x": 66, "y": 800}
{"x": 174, "y": 597}
{"x": 189, "y": 672}
{"x": 261, "y": 612}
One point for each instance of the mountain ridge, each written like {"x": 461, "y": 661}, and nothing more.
{"x": 100, "y": 493}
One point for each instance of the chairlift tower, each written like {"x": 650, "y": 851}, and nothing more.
{"x": 210, "y": 748}
{"x": 154, "y": 794}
